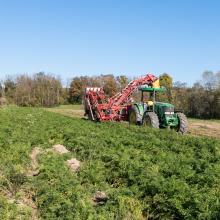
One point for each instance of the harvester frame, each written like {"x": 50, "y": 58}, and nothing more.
{"x": 98, "y": 107}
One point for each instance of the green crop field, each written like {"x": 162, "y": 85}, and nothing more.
{"x": 197, "y": 127}
{"x": 145, "y": 173}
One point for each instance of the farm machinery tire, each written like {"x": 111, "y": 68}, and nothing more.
{"x": 92, "y": 116}
{"x": 151, "y": 120}
{"x": 183, "y": 124}
{"x": 134, "y": 116}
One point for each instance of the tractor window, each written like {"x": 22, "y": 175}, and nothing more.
{"x": 146, "y": 96}
{"x": 136, "y": 96}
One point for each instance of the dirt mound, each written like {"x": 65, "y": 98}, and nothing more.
{"x": 73, "y": 164}
{"x": 26, "y": 201}
{"x": 99, "y": 198}
{"x": 34, "y": 169}
{"x": 60, "y": 149}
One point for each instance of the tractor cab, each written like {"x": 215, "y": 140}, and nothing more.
{"x": 151, "y": 99}
{"x": 164, "y": 111}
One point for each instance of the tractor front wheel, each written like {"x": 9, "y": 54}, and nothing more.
{"x": 183, "y": 123}
{"x": 151, "y": 120}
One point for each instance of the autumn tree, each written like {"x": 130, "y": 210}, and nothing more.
{"x": 38, "y": 90}
{"x": 204, "y": 96}
{"x": 166, "y": 81}
{"x": 180, "y": 96}
{"x": 9, "y": 88}
{"x": 110, "y": 85}
{"x": 24, "y": 91}
{"x": 77, "y": 88}
{"x": 78, "y": 85}
{"x": 122, "y": 81}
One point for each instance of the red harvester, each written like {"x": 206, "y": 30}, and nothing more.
{"x": 116, "y": 108}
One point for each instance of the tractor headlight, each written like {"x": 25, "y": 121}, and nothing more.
{"x": 169, "y": 113}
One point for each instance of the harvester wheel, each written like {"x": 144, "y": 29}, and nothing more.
{"x": 133, "y": 116}
{"x": 183, "y": 123}
{"x": 151, "y": 120}
{"x": 92, "y": 117}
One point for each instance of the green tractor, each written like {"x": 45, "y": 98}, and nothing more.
{"x": 157, "y": 114}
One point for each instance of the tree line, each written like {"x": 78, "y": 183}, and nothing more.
{"x": 201, "y": 100}
{"x": 38, "y": 90}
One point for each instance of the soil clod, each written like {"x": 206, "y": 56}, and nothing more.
{"x": 73, "y": 164}
{"x": 34, "y": 171}
{"x": 60, "y": 149}
{"x": 100, "y": 197}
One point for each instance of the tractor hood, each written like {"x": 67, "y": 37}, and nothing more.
{"x": 165, "y": 112}
{"x": 164, "y": 105}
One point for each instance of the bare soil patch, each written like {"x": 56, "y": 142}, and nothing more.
{"x": 204, "y": 128}
{"x": 73, "y": 164}
{"x": 34, "y": 168}
{"x": 77, "y": 113}
{"x": 60, "y": 149}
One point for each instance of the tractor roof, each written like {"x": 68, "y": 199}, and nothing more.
{"x": 151, "y": 89}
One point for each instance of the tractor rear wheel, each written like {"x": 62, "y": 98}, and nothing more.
{"x": 133, "y": 116}
{"x": 151, "y": 120}
{"x": 183, "y": 123}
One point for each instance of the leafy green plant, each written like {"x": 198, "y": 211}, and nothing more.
{"x": 145, "y": 173}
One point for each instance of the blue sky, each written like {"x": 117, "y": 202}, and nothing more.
{"x": 69, "y": 38}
